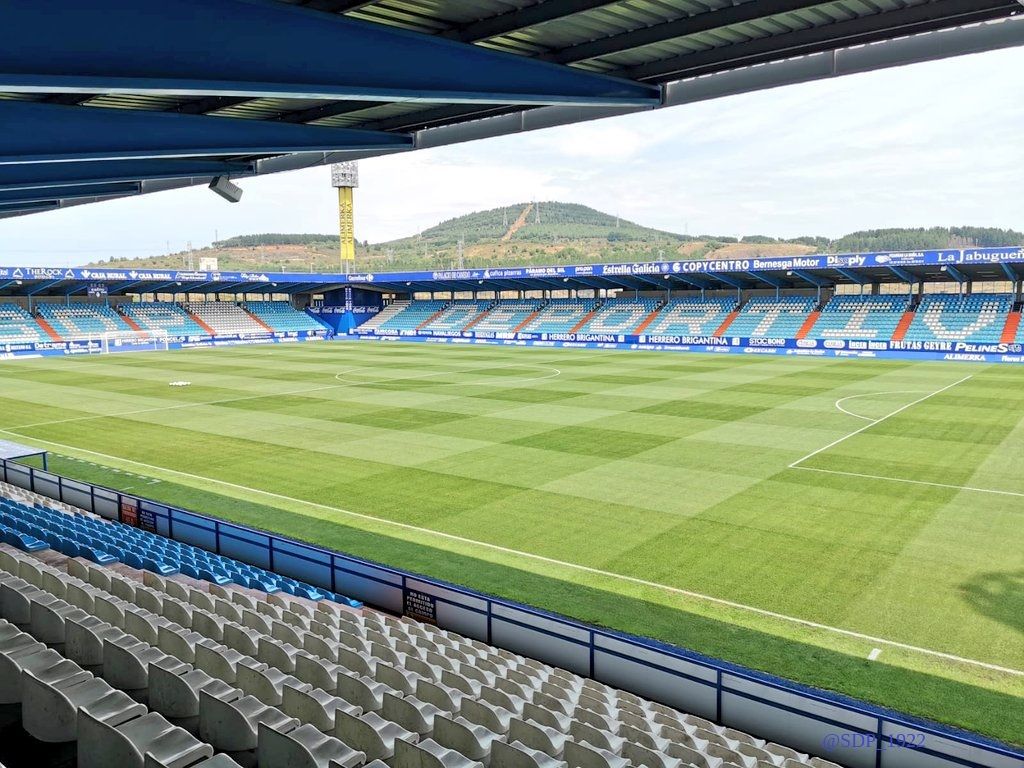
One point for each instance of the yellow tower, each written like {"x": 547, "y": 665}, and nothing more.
{"x": 345, "y": 177}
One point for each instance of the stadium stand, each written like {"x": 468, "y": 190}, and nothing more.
{"x": 225, "y": 318}
{"x": 271, "y": 680}
{"x": 456, "y": 316}
{"x": 162, "y": 316}
{"x": 409, "y": 317}
{"x": 98, "y": 541}
{"x": 562, "y": 316}
{"x": 388, "y": 313}
{"x": 691, "y": 317}
{"x": 621, "y": 315}
{"x": 83, "y": 320}
{"x": 506, "y": 316}
{"x": 978, "y": 318}
{"x": 282, "y": 316}
{"x": 859, "y": 317}
{"x": 777, "y": 317}
{"x": 17, "y": 325}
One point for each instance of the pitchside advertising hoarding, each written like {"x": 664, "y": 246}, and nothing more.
{"x": 925, "y": 350}
{"x": 10, "y": 350}
{"x": 948, "y": 257}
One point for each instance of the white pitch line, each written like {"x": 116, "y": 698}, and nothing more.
{"x": 972, "y": 488}
{"x": 856, "y": 432}
{"x": 541, "y": 558}
{"x": 838, "y": 403}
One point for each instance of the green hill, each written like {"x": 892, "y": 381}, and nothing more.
{"x": 548, "y": 233}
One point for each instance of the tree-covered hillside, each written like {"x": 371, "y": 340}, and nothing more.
{"x": 551, "y": 233}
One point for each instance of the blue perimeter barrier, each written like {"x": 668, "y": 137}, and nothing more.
{"x": 955, "y": 351}
{"x": 836, "y": 727}
{"x": 14, "y": 350}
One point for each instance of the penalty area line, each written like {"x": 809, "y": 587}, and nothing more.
{"x": 543, "y": 559}
{"x": 875, "y": 422}
{"x": 972, "y": 488}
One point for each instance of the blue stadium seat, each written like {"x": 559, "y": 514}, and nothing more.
{"x": 403, "y": 316}
{"x": 620, "y": 315}
{"x": 34, "y": 528}
{"x": 691, "y": 317}
{"x": 457, "y": 316}
{"x": 561, "y": 315}
{"x": 978, "y": 318}
{"x": 23, "y": 541}
{"x": 778, "y": 317}
{"x": 506, "y": 316}
{"x": 283, "y": 317}
{"x": 860, "y": 317}
{"x": 78, "y": 319}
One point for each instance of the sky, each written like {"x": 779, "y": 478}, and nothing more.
{"x": 934, "y": 144}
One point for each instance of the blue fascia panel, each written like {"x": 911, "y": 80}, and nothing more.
{"x": 40, "y": 133}
{"x": 262, "y": 48}
{"x": 67, "y": 193}
{"x": 35, "y": 175}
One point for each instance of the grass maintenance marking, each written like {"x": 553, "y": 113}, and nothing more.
{"x": 562, "y": 563}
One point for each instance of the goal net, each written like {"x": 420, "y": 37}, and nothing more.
{"x": 130, "y": 341}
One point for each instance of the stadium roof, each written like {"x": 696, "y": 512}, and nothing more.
{"x": 962, "y": 266}
{"x": 118, "y": 97}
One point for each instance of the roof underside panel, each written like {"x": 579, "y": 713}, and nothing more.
{"x": 418, "y": 66}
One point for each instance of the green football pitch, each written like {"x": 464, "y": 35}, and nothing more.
{"x": 855, "y": 525}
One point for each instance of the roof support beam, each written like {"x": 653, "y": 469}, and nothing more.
{"x": 166, "y": 46}
{"x": 157, "y": 288}
{"x": 904, "y": 275}
{"x": 858, "y": 31}
{"x": 852, "y": 276}
{"x": 64, "y": 193}
{"x": 521, "y": 18}
{"x": 807, "y": 277}
{"x": 729, "y": 280}
{"x": 40, "y": 133}
{"x": 690, "y": 25}
{"x": 1011, "y": 275}
{"x": 653, "y": 283}
{"x": 36, "y": 175}
{"x": 774, "y": 282}
{"x": 9, "y": 208}
{"x": 955, "y": 273}
{"x": 336, "y": 6}
{"x": 44, "y": 286}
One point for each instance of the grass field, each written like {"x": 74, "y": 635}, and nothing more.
{"x": 793, "y": 515}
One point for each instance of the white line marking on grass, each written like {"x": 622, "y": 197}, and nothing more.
{"x": 972, "y": 488}
{"x": 838, "y": 403}
{"x": 540, "y": 558}
{"x": 866, "y": 476}
{"x": 868, "y": 426}
{"x": 875, "y": 653}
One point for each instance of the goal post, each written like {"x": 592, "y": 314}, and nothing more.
{"x": 133, "y": 341}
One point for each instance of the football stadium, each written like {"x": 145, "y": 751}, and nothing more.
{"x": 747, "y": 512}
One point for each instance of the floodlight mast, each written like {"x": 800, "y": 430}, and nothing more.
{"x": 345, "y": 177}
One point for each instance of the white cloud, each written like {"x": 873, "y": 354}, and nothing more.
{"x": 935, "y": 143}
